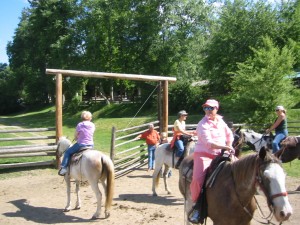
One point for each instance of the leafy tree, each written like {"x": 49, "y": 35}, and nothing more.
{"x": 262, "y": 82}
{"x": 241, "y": 23}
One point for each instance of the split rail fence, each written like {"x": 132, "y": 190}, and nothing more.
{"x": 16, "y": 142}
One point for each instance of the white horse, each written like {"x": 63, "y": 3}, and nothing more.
{"x": 256, "y": 140}
{"x": 92, "y": 167}
{"x": 163, "y": 156}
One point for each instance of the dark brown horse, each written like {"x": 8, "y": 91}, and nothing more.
{"x": 290, "y": 149}
{"x": 231, "y": 198}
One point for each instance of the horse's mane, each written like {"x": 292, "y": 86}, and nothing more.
{"x": 247, "y": 165}
{"x": 243, "y": 167}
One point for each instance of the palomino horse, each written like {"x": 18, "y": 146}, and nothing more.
{"x": 92, "y": 167}
{"x": 231, "y": 198}
{"x": 163, "y": 156}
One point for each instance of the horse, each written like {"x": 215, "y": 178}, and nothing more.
{"x": 163, "y": 156}
{"x": 255, "y": 140}
{"x": 290, "y": 149}
{"x": 92, "y": 167}
{"x": 287, "y": 153}
{"x": 230, "y": 200}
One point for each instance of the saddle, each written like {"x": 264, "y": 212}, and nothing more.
{"x": 77, "y": 155}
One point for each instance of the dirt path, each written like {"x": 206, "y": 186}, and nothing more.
{"x": 39, "y": 196}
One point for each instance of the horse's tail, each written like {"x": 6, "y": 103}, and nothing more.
{"x": 108, "y": 169}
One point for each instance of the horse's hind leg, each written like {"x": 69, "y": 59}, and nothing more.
{"x": 98, "y": 194}
{"x": 78, "y": 202}
{"x": 165, "y": 174}
{"x": 155, "y": 179}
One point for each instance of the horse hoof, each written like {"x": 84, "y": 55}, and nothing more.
{"x": 77, "y": 207}
{"x": 95, "y": 218}
{"x": 169, "y": 192}
{"x": 107, "y": 214}
{"x": 154, "y": 195}
{"x": 66, "y": 210}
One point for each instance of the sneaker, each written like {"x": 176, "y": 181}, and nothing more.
{"x": 62, "y": 171}
{"x": 178, "y": 163}
{"x": 194, "y": 217}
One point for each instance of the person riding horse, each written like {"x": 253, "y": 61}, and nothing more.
{"x": 213, "y": 136}
{"x": 179, "y": 136}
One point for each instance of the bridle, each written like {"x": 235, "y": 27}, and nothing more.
{"x": 259, "y": 181}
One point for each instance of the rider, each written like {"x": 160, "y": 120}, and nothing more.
{"x": 280, "y": 126}
{"x": 178, "y": 132}
{"x": 213, "y": 136}
{"x": 84, "y": 136}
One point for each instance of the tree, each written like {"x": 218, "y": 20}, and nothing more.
{"x": 261, "y": 83}
{"x": 241, "y": 23}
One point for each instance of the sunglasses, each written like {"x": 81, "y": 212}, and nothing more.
{"x": 208, "y": 108}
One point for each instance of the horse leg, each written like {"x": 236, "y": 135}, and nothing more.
{"x": 68, "y": 183}
{"x": 78, "y": 202}
{"x": 165, "y": 179}
{"x": 98, "y": 194}
{"x": 155, "y": 179}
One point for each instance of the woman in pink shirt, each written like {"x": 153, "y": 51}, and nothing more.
{"x": 213, "y": 136}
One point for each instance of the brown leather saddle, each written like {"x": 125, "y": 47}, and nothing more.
{"x": 77, "y": 155}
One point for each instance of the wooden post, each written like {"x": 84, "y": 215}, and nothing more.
{"x": 112, "y": 145}
{"x": 159, "y": 106}
{"x": 58, "y": 112}
{"x": 165, "y": 110}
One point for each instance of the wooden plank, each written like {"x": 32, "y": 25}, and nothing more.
{"x": 53, "y": 153}
{"x": 28, "y": 164}
{"x": 27, "y": 130}
{"x": 27, "y": 146}
{"x": 28, "y": 138}
{"x": 27, "y": 150}
{"x": 85, "y": 74}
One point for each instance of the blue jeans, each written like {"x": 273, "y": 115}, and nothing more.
{"x": 278, "y": 138}
{"x": 180, "y": 148}
{"x": 151, "y": 156}
{"x": 70, "y": 151}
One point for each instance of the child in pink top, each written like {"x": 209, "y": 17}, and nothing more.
{"x": 84, "y": 138}
{"x": 213, "y": 136}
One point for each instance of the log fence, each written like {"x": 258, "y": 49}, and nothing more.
{"x": 34, "y": 142}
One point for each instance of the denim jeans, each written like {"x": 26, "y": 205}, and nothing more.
{"x": 180, "y": 148}
{"x": 70, "y": 151}
{"x": 278, "y": 137}
{"x": 151, "y": 156}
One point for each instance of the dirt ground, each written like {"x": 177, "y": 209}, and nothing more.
{"x": 39, "y": 196}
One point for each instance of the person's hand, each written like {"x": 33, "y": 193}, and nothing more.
{"x": 268, "y": 131}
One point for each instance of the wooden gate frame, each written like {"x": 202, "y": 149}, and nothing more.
{"x": 164, "y": 85}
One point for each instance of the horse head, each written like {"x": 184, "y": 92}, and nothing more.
{"x": 62, "y": 145}
{"x": 270, "y": 179}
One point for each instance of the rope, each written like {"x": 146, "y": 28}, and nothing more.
{"x": 142, "y": 106}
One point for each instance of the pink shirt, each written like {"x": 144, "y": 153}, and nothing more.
{"x": 85, "y": 131}
{"x": 209, "y": 131}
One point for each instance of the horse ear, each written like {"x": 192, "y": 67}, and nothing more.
{"x": 262, "y": 152}
{"x": 238, "y": 130}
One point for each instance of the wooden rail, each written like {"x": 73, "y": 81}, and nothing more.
{"x": 38, "y": 145}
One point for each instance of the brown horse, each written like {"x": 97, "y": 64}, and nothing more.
{"x": 288, "y": 152}
{"x": 231, "y": 197}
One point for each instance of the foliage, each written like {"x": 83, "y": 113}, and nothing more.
{"x": 184, "y": 96}
{"x": 241, "y": 24}
{"x": 262, "y": 82}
